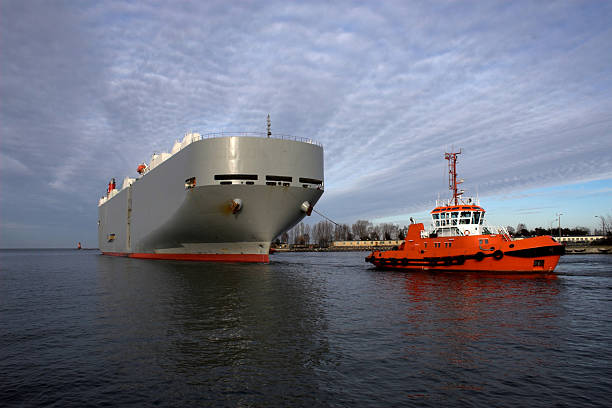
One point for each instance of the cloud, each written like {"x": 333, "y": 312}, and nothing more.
{"x": 11, "y": 165}
{"x": 90, "y": 90}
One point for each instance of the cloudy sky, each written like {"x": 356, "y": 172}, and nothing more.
{"x": 90, "y": 89}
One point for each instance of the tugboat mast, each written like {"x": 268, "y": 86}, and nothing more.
{"x": 452, "y": 175}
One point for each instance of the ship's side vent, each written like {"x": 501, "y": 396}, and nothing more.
{"x": 190, "y": 183}
{"x": 310, "y": 180}
{"x": 236, "y": 177}
{"x": 279, "y": 178}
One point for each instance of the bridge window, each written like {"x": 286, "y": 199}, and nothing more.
{"x": 279, "y": 178}
{"x": 236, "y": 177}
{"x": 310, "y": 180}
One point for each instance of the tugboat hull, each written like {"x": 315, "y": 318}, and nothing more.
{"x": 481, "y": 253}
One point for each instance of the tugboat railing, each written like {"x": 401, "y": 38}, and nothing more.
{"x": 497, "y": 229}
{"x": 484, "y": 229}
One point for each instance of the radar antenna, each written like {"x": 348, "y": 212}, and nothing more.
{"x": 452, "y": 176}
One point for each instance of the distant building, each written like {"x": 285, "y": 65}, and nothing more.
{"x": 585, "y": 239}
{"x": 367, "y": 244}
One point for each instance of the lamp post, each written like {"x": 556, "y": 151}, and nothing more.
{"x": 559, "y": 215}
{"x": 603, "y": 225}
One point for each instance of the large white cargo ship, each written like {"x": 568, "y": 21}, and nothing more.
{"x": 215, "y": 197}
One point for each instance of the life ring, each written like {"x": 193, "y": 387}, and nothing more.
{"x": 466, "y": 232}
{"x": 498, "y": 254}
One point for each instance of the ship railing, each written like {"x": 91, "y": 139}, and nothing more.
{"x": 497, "y": 229}
{"x": 261, "y": 135}
{"x": 450, "y": 203}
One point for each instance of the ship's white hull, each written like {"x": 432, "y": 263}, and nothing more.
{"x": 158, "y": 217}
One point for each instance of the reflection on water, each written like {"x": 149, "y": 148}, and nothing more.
{"x": 312, "y": 329}
{"x": 223, "y": 327}
{"x": 462, "y": 311}
{"x": 473, "y": 332}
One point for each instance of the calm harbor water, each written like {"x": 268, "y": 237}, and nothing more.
{"x": 310, "y": 329}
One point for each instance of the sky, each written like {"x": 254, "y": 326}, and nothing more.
{"x": 524, "y": 88}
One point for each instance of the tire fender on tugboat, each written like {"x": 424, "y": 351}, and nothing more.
{"x": 479, "y": 256}
{"x": 498, "y": 254}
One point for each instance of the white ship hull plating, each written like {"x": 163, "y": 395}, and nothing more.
{"x": 159, "y": 217}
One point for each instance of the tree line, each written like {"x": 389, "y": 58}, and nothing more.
{"x": 521, "y": 229}
{"x": 324, "y": 233}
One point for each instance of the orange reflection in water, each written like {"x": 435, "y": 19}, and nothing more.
{"x": 470, "y": 320}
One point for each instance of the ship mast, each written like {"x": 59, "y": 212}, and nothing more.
{"x": 452, "y": 176}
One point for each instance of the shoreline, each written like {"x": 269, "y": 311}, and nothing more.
{"x": 588, "y": 249}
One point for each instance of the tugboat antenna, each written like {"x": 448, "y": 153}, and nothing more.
{"x": 452, "y": 175}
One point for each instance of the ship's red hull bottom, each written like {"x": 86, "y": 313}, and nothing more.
{"x": 250, "y": 258}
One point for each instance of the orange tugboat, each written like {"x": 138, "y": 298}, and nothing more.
{"x": 461, "y": 240}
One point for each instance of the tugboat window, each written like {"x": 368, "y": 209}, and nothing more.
{"x": 476, "y": 218}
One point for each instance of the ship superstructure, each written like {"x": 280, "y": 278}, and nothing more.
{"x": 213, "y": 197}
